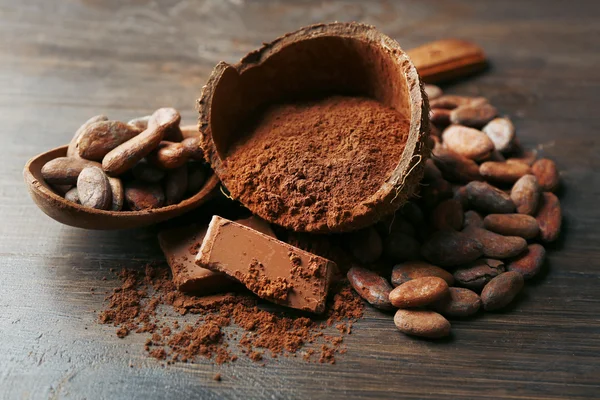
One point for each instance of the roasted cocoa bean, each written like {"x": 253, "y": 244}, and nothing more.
{"x": 495, "y": 245}
{"x": 414, "y": 214}
{"x": 65, "y": 170}
{"x": 450, "y": 102}
{"x": 478, "y": 273}
{"x": 422, "y": 323}
{"x": 488, "y": 199}
{"x": 473, "y": 219}
{"x": 549, "y": 217}
{"x": 365, "y": 245}
{"x": 371, "y": 287}
{"x": 432, "y": 172}
{"x": 140, "y": 122}
{"x": 192, "y": 148}
{"x": 72, "y": 149}
{"x": 501, "y": 290}
{"x": 521, "y": 225}
{"x": 418, "y": 292}
{"x": 501, "y": 132}
{"x": 432, "y": 91}
{"x": 118, "y": 193}
{"x": 196, "y": 177}
{"x": 473, "y": 115}
{"x": 410, "y": 270}
{"x": 433, "y": 192}
{"x": 146, "y": 172}
{"x": 398, "y": 246}
{"x": 169, "y": 155}
{"x": 94, "y": 189}
{"x": 99, "y": 138}
{"x": 450, "y": 248}
{"x": 547, "y": 174}
{"x": 395, "y": 223}
{"x": 468, "y": 142}
{"x": 73, "y": 196}
{"x": 189, "y": 131}
{"x": 455, "y": 167}
{"x": 497, "y": 156}
{"x": 144, "y": 196}
{"x": 526, "y": 157}
{"x": 440, "y": 117}
{"x": 459, "y": 193}
{"x": 176, "y": 184}
{"x": 503, "y": 172}
{"x": 128, "y": 154}
{"x": 530, "y": 262}
{"x": 526, "y": 194}
{"x": 447, "y": 215}
{"x": 170, "y": 119}
{"x": 459, "y": 302}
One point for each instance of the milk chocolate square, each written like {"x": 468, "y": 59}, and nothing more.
{"x": 272, "y": 269}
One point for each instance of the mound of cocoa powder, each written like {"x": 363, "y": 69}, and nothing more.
{"x": 220, "y": 320}
{"x": 312, "y": 162}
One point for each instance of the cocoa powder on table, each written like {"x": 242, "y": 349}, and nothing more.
{"x": 220, "y": 320}
{"x": 316, "y": 160}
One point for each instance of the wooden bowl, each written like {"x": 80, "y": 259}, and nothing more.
{"x": 316, "y": 61}
{"x": 73, "y": 214}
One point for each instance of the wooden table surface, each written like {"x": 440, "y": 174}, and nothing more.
{"x": 64, "y": 61}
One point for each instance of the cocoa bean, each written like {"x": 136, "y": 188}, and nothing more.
{"x": 118, "y": 193}
{"x": 549, "y": 217}
{"x": 432, "y": 91}
{"x": 413, "y": 214}
{"x": 395, "y": 223}
{"x": 176, "y": 184}
{"x": 530, "y": 262}
{"x": 526, "y": 194}
{"x": 527, "y": 157}
{"x": 521, "y": 225}
{"x": 427, "y": 324}
{"x": 371, "y": 287}
{"x": 128, "y": 154}
{"x": 169, "y": 155}
{"x": 196, "y": 177}
{"x": 140, "y": 122}
{"x": 432, "y": 172}
{"x": 497, "y": 156}
{"x": 478, "y": 273}
{"x": 450, "y": 248}
{"x": 193, "y": 149}
{"x": 473, "y": 219}
{"x": 488, "y": 199}
{"x": 447, "y": 215}
{"x": 144, "y": 196}
{"x": 495, "y": 245}
{"x": 73, "y": 196}
{"x": 501, "y": 132}
{"x": 146, "y": 172}
{"x": 440, "y": 117}
{"x": 410, "y": 270}
{"x": 547, "y": 174}
{"x": 503, "y": 172}
{"x": 473, "y": 115}
{"x": 93, "y": 189}
{"x": 72, "y": 149}
{"x": 366, "y": 245}
{"x": 189, "y": 131}
{"x": 455, "y": 167}
{"x": 61, "y": 189}
{"x": 459, "y": 193}
{"x": 65, "y": 170}
{"x": 450, "y": 102}
{"x": 501, "y": 290}
{"x": 418, "y": 292}
{"x": 170, "y": 119}
{"x": 468, "y": 142}
{"x": 432, "y": 193}
{"x": 99, "y": 138}
{"x": 459, "y": 302}
{"x": 398, "y": 246}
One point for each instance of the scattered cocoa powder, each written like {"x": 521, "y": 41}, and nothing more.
{"x": 133, "y": 307}
{"x": 312, "y": 162}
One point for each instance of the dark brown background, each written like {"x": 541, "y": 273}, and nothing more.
{"x": 64, "y": 61}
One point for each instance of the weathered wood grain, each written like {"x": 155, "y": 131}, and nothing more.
{"x": 64, "y": 61}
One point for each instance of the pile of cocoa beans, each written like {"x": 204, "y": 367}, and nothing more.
{"x": 475, "y": 232}
{"x": 146, "y": 163}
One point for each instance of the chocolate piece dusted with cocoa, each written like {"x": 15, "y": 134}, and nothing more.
{"x": 272, "y": 269}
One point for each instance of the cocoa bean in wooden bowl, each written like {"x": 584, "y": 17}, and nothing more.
{"x": 120, "y": 188}
{"x": 322, "y": 130}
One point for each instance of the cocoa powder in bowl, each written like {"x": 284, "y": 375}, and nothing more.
{"x": 321, "y": 130}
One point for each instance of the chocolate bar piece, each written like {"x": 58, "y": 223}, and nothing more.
{"x": 180, "y": 246}
{"x": 272, "y": 269}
